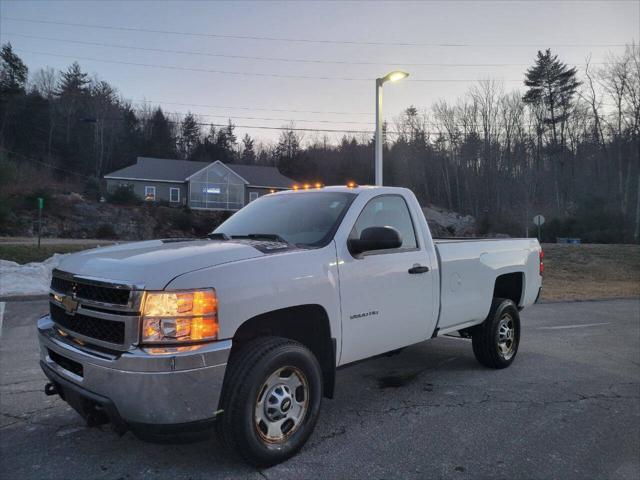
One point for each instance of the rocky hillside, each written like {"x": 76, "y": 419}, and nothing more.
{"x": 446, "y": 223}
{"x": 70, "y": 216}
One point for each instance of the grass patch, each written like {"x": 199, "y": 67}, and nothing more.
{"x": 583, "y": 272}
{"x": 31, "y": 253}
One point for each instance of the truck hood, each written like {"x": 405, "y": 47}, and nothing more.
{"x": 153, "y": 264}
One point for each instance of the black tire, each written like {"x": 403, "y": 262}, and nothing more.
{"x": 249, "y": 369}
{"x": 487, "y": 347}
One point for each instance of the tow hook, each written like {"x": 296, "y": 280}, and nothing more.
{"x": 50, "y": 389}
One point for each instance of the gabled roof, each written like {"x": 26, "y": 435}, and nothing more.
{"x": 160, "y": 169}
{"x": 260, "y": 176}
{"x": 168, "y": 170}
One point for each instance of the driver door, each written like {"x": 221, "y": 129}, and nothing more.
{"x": 384, "y": 307}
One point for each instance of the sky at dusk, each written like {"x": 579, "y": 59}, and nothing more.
{"x": 317, "y": 60}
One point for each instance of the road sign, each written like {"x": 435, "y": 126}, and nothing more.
{"x": 538, "y": 220}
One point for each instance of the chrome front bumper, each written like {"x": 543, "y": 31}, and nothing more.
{"x": 147, "y": 386}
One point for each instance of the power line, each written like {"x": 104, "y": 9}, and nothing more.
{"x": 294, "y": 120}
{"x": 276, "y": 59}
{"x": 255, "y": 108}
{"x": 306, "y": 40}
{"x": 295, "y": 129}
{"x": 254, "y": 74}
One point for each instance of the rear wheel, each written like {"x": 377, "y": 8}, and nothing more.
{"x": 271, "y": 400}
{"x": 496, "y": 340}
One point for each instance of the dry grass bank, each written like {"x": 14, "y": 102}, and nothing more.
{"x": 583, "y": 272}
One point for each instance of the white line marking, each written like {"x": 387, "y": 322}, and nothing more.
{"x": 560, "y": 327}
{"x": 2, "y": 304}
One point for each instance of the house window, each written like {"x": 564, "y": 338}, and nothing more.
{"x": 150, "y": 193}
{"x": 253, "y": 196}
{"x": 174, "y": 195}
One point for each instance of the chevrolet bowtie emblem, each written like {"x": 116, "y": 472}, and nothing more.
{"x": 70, "y": 304}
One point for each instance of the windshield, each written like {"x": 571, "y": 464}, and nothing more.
{"x": 307, "y": 219}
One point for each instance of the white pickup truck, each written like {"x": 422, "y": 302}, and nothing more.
{"x": 244, "y": 330}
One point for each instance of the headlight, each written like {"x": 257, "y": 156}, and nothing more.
{"x": 179, "y": 316}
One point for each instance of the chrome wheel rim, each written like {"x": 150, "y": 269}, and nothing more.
{"x": 281, "y": 405}
{"x": 506, "y": 337}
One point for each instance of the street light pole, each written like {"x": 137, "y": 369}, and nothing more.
{"x": 389, "y": 77}
{"x": 379, "y": 132}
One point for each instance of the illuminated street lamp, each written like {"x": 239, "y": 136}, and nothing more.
{"x": 389, "y": 77}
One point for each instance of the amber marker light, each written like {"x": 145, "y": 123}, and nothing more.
{"x": 318, "y": 185}
{"x": 296, "y": 187}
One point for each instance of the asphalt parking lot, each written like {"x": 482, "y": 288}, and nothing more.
{"x": 569, "y": 407}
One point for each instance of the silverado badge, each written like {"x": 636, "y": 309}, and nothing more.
{"x": 70, "y": 304}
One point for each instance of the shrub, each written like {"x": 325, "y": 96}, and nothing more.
{"x": 592, "y": 222}
{"x": 31, "y": 199}
{"x": 206, "y": 222}
{"x": 182, "y": 220}
{"x": 92, "y": 189}
{"x": 124, "y": 195}
{"x": 5, "y": 212}
{"x": 106, "y": 231}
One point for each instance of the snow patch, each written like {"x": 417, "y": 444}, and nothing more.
{"x": 28, "y": 279}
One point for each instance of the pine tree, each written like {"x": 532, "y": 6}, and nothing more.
{"x": 13, "y": 72}
{"x": 189, "y": 135}
{"x": 160, "y": 141}
{"x": 552, "y": 85}
{"x": 74, "y": 81}
{"x": 13, "y": 80}
{"x": 248, "y": 154}
{"x": 226, "y": 143}
{"x": 73, "y": 89}
{"x": 288, "y": 151}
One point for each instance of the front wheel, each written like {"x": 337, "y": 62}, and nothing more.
{"x": 271, "y": 400}
{"x": 496, "y": 340}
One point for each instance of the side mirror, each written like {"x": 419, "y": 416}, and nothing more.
{"x": 375, "y": 238}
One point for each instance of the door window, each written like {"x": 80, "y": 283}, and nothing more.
{"x": 387, "y": 211}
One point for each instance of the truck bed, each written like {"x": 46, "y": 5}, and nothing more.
{"x": 469, "y": 268}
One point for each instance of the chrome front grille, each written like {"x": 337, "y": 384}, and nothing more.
{"x": 91, "y": 327}
{"x": 96, "y": 311}
{"x": 94, "y": 292}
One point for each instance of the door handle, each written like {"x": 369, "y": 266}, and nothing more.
{"x": 419, "y": 269}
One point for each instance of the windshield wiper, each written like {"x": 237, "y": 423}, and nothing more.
{"x": 274, "y": 237}
{"x": 218, "y": 236}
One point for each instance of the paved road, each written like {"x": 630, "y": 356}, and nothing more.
{"x": 569, "y": 407}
